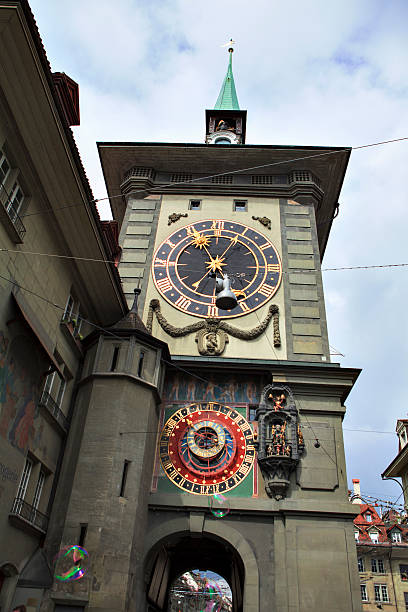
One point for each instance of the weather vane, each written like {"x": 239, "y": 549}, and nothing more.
{"x": 230, "y": 44}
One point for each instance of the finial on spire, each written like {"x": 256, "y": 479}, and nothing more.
{"x": 137, "y": 292}
{"x": 230, "y": 44}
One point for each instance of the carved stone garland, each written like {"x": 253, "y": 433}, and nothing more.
{"x": 211, "y": 334}
{"x": 280, "y": 440}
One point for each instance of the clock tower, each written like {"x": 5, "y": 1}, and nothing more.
{"x": 248, "y": 405}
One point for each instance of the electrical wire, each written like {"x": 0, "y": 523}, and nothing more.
{"x": 172, "y": 364}
{"x": 105, "y": 330}
{"x": 108, "y": 261}
{"x": 188, "y": 181}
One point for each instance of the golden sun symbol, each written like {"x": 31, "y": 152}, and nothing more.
{"x": 215, "y": 264}
{"x": 199, "y": 240}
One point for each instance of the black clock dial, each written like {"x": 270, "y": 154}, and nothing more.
{"x": 185, "y": 266}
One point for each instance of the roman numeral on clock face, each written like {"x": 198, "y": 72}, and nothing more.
{"x": 266, "y": 290}
{"x": 217, "y": 225}
{"x": 160, "y": 262}
{"x": 273, "y": 268}
{"x": 212, "y": 311}
{"x": 164, "y": 284}
{"x": 182, "y": 302}
{"x": 244, "y": 307}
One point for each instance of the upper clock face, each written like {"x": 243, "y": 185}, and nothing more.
{"x": 183, "y": 262}
{"x": 207, "y": 448}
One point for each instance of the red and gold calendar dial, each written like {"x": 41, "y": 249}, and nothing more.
{"x": 207, "y": 448}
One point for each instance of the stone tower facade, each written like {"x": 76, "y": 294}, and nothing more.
{"x": 249, "y": 405}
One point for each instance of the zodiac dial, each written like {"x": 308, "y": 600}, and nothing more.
{"x": 186, "y": 264}
{"x": 207, "y": 448}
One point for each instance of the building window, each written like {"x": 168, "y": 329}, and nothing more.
{"x": 406, "y": 601}
{"x": 240, "y": 205}
{"x": 195, "y": 205}
{"x": 38, "y": 489}
{"x": 363, "y": 590}
{"x": 72, "y": 315}
{"x": 374, "y": 536}
{"x": 115, "y": 358}
{"x": 12, "y": 200}
{"x": 140, "y": 364}
{"x": 356, "y": 535}
{"x": 381, "y": 592}
{"x": 368, "y": 518}
{"x": 124, "y": 478}
{"x": 15, "y": 201}
{"x": 25, "y": 477}
{"x": 377, "y": 566}
{"x": 396, "y": 537}
{"x": 4, "y": 168}
{"x": 224, "y": 141}
{"x": 360, "y": 562}
{"x": 404, "y": 572}
{"x": 82, "y": 534}
{"x": 54, "y": 388}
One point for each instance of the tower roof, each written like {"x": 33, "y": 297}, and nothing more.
{"x": 227, "y": 98}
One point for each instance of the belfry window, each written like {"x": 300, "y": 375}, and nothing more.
{"x": 223, "y": 141}
{"x": 195, "y": 205}
{"x": 240, "y": 205}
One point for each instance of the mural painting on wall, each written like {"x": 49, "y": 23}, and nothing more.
{"x": 21, "y": 369}
{"x": 234, "y": 389}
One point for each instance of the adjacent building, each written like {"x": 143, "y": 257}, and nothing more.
{"x": 45, "y": 301}
{"x": 398, "y": 468}
{"x": 382, "y": 556}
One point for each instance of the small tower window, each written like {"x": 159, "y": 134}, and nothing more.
{"x": 114, "y": 358}
{"x": 195, "y": 205}
{"x": 224, "y": 141}
{"x": 82, "y": 534}
{"x": 140, "y": 366}
{"x": 240, "y": 205}
{"x": 124, "y": 478}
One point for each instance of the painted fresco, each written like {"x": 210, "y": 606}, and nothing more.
{"x": 233, "y": 390}
{"x": 21, "y": 370}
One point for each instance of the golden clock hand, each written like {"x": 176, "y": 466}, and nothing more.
{"x": 233, "y": 242}
{"x": 195, "y": 285}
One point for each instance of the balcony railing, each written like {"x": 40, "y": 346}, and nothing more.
{"x": 46, "y": 401}
{"x": 15, "y": 219}
{"x": 30, "y": 514}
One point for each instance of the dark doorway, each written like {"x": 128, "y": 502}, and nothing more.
{"x": 182, "y": 553}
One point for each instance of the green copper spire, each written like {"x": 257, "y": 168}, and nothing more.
{"x": 228, "y": 99}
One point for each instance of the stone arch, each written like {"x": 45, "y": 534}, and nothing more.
{"x": 196, "y": 525}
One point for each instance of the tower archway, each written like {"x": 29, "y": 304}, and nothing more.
{"x": 218, "y": 548}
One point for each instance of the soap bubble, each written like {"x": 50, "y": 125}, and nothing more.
{"x": 71, "y": 563}
{"x": 219, "y": 505}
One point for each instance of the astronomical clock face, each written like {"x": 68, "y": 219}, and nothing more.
{"x": 207, "y": 448}
{"x": 186, "y": 264}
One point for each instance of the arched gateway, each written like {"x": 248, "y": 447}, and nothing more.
{"x": 174, "y": 547}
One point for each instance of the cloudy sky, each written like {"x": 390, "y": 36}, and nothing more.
{"x": 309, "y": 73}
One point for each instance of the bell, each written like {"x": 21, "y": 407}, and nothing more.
{"x": 226, "y": 299}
